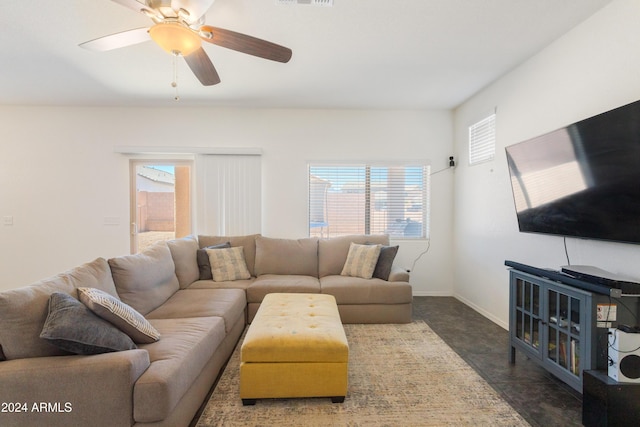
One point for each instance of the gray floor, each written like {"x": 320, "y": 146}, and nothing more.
{"x": 538, "y": 396}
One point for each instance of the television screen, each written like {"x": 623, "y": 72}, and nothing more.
{"x": 582, "y": 180}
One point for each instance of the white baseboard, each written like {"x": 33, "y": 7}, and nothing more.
{"x": 485, "y": 313}
{"x": 432, "y": 294}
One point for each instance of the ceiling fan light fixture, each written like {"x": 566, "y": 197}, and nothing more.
{"x": 174, "y": 37}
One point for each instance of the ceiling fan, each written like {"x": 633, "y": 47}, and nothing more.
{"x": 179, "y": 28}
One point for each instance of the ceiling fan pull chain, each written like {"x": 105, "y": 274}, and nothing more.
{"x": 174, "y": 83}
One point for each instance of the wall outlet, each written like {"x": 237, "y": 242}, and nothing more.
{"x": 606, "y": 312}
{"x": 7, "y": 220}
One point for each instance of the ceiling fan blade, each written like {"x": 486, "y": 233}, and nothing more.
{"x": 196, "y": 8}
{"x": 246, "y": 44}
{"x": 117, "y": 40}
{"x": 202, "y": 67}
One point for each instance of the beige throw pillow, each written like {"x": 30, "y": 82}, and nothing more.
{"x": 228, "y": 264}
{"x": 119, "y": 314}
{"x": 361, "y": 260}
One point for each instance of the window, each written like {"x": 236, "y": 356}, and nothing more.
{"x": 160, "y": 202}
{"x": 482, "y": 140}
{"x": 177, "y": 191}
{"x": 368, "y": 199}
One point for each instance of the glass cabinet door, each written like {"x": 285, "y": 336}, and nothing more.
{"x": 527, "y": 315}
{"x": 563, "y": 331}
{"x": 553, "y": 324}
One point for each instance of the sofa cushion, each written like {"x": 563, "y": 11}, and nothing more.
{"x": 94, "y": 274}
{"x": 231, "y": 284}
{"x": 228, "y": 264}
{"x": 145, "y": 280}
{"x": 176, "y": 361}
{"x": 399, "y": 274}
{"x": 248, "y": 244}
{"x": 385, "y": 262}
{"x": 23, "y": 311}
{"x": 204, "y": 266}
{"x": 332, "y": 253}
{"x": 287, "y": 256}
{"x": 277, "y": 283}
{"x": 355, "y": 290}
{"x": 361, "y": 260}
{"x": 183, "y": 252}
{"x": 118, "y": 314}
{"x": 226, "y": 303}
{"x": 71, "y": 326}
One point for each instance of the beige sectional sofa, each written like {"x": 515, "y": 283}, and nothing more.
{"x": 199, "y": 320}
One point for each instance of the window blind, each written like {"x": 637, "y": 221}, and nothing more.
{"x": 368, "y": 199}
{"x": 482, "y": 140}
{"x": 228, "y": 194}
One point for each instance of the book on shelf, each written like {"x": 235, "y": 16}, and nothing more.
{"x": 575, "y": 357}
{"x": 562, "y": 353}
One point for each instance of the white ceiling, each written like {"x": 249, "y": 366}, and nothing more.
{"x": 356, "y": 54}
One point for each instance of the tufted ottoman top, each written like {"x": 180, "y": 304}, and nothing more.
{"x": 296, "y": 328}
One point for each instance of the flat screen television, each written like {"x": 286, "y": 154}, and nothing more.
{"x": 582, "y": 180}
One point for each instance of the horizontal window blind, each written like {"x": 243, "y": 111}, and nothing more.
{"x": 482, "y": 140}
{"x": 368, "y": 199}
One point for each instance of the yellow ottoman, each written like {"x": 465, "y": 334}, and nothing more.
{"x": 295, "y": 347}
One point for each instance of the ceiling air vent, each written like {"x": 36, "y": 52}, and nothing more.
{"x": 312, "y": 2}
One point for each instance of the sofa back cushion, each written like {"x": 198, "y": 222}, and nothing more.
{"x": 183, "y": 252}
{"x": 23, "y": 311}
{"x": 287, "y": 256}
{"x": 332, "y": 253}
{"x": 94, "y": 274}
{"x": 145, "y": 280}
{"x": 248, "y": 244}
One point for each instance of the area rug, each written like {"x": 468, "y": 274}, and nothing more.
{"x": 399, "y": 375}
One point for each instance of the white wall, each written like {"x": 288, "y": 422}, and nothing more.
{"x": 60, "y": 177}
{"x": 592, "y": 69}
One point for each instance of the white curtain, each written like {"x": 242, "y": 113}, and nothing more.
{"x": 229, "y": 194}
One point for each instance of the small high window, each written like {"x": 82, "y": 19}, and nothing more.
{"x": 482, "y": 140}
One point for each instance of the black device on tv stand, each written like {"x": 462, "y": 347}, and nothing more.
{"x": 592, "y": 274}
{"x": 629, "y": 329}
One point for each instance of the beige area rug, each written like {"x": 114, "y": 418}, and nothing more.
{"x": 399, "y": 375}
